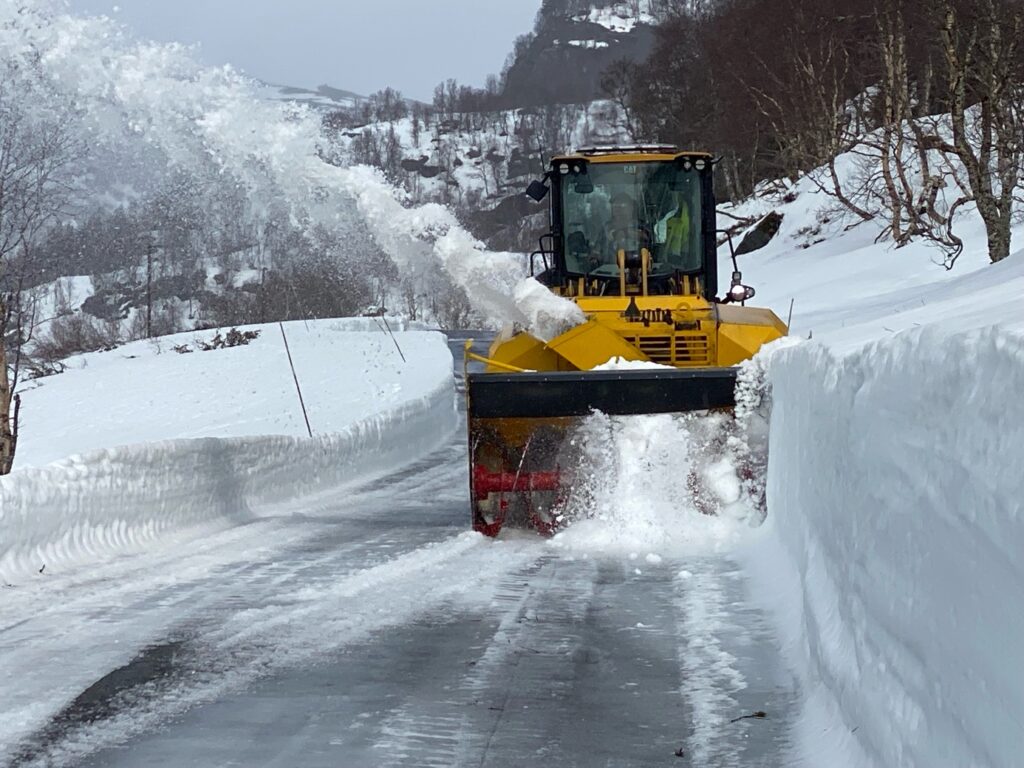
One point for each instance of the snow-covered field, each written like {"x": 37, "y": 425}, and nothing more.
{"x": 141, "y": 443}
{"x": 146, "y": 391}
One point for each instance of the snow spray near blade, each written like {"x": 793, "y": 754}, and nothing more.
{"x": 665, "y": 483}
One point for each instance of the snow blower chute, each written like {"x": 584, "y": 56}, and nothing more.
{"x": 633, "y": 244}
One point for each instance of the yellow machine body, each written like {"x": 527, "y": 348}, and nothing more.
{"x": 644, "y": 303}
{"x": 712, "y": 335}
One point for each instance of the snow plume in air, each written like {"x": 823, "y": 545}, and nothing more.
{"x": 427, "y": 237}
{"x": 149, "y": 113}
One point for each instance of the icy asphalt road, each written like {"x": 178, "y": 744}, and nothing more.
{"x": 368, "y": 629}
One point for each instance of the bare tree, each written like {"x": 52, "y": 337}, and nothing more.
{"x": 36, "y": 149}
{"x": 617, "y": 83}
{"x": 981, "y": 47}
{"x": 901, "y": 178}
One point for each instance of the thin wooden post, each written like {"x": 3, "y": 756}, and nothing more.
{"x": 298, "y": 389}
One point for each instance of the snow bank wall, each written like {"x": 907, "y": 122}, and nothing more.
{"x": 892, "y": 550}
{"x": 79, "y": 509}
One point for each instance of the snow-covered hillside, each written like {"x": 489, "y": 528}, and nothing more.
{"x": 620, "y": 17}
{"x": 474, "y": 161}
{"x": 573, "y": 43}
{"x": 850, "y": 286}
{"x": 152, "y": 114}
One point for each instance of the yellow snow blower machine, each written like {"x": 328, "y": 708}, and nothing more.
{"x": 633, "y": 243}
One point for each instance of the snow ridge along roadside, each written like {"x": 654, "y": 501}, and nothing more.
{"x": 891, "y": 547}
{"x": 89, "y": 506}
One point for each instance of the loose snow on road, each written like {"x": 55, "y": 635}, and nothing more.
{"x": 301, "y": 626}
{"x": 710, "y": 673}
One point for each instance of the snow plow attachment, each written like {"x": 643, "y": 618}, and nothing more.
{"x": 615, "y": 393}
{"x": 521, "y": 454}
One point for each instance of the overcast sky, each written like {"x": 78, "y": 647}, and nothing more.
{"x": 358, "y": 45}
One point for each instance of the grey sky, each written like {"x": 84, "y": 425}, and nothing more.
{"x": 359, "y": 45}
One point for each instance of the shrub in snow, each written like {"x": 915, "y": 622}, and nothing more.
{"x": 233, "y": 338}
{"x": 74, "y": 334}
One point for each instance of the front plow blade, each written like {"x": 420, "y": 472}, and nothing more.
{"x": 615, "y": 393}
{"x": 518, "y": 425}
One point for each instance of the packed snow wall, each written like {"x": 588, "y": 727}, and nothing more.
{"x": 891, "y": 549}
{"x": 121, "y": 499}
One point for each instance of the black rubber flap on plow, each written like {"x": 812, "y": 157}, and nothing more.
{"x": 616, "y": 393}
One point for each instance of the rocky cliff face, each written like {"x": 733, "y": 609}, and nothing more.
{"x": 573, "y": 43}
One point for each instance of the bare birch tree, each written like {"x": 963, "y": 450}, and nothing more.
{"x": 36, "y": 149}
{"x": 981, "y": 47}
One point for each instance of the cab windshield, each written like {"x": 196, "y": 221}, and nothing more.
{"x": 623, "y": 206}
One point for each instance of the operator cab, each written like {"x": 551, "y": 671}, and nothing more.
{"x": 629, "y": 220}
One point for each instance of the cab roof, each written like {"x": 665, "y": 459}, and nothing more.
{"x": 635, "y": 153}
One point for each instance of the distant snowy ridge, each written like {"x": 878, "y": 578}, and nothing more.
{"x": 323, "y": 97}
{"x": 891, "y": 548}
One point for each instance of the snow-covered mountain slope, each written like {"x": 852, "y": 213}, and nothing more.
{"x": 474, "y": 161}
{"x": 849, "y": 286}
{"x": 142, "y": 442}
{"x": 620, "y": 17}
{"x": 572, "y": 45}
{"x": 147, "y": 108}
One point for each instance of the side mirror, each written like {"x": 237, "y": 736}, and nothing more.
{"x": 537, "y": 190}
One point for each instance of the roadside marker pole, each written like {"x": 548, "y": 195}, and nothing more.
{"x": 294, "y": 376}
